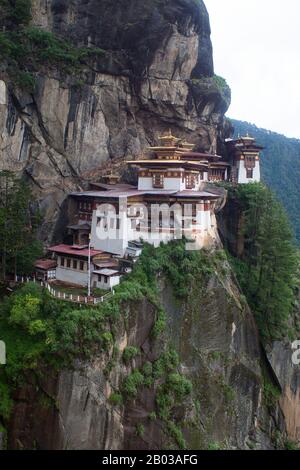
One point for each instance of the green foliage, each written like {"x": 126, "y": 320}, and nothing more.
{"x": 290, "y": 445}
{"x": 159, "y": 325}
{"x": 220, "y": 82}
{"x": 107, "y": 340}
{"x": 130, "y": 353}
{"x": 271, "y": 394}
{"x": 132, "y": 383}
{"x": 27, "y": 49}
{"x": 140, "y": 430}
{"x": 25, "y": 311}
{"x": 280, "y": 164}
{"x": 268, "y": 269}
{"x": 170, "y": 393}
{"x": 175, "y": 432}
{"x": 214, "y": 446}
{"x": 40, "y": 331}
{"x": 178, "y": 385}
{"x": 15, "y": 12}
{"x": 6, "y": 402}
{"x": 152, "y": 416}
{"x": 167, "y": 362}
{"x": 18, "y": 224}
{"x": 116, "y": 399}
{"x": 25, "y": 80}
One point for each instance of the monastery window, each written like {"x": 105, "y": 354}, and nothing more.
{"x": 68, "y": 263}
{"x": 81, "y": 266}
{"x": 62, "y": 261}
{"x": 74, "y": 264}
{"x": 190, "y": 181}
{"x": 249, "y": 172}
{"x": 158, "y": 180}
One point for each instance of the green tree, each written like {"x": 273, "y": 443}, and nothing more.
{"x": 18, "y": 244}
{"x": 268, "y": 269}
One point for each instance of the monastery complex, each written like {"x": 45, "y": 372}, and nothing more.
{"x": 175, "y": 197}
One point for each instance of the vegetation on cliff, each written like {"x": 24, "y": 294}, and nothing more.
{"x": 26, "y": 49}
{"x": 267, "y": 268}
{"x": 280, "y": 165}
{"x": 19, "y": 247}
{"x": 41, "y": 331}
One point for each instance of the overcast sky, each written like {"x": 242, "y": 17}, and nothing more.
{"x": 257, "y": 49}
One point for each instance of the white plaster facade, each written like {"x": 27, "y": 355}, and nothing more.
{"x": 106, "y": 282}
{"x": 242, "y": 173}
{"x": 70, "y": 274}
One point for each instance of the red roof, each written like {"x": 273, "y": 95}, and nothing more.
{"x": 45, "y": 264}
{"x": 75, "y": 251}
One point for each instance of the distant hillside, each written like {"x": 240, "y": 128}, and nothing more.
{"x": 280, "y": 166}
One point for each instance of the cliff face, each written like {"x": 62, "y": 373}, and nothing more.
{"x": 231, "y": 225}
{"x": 156, "y": 73}
{"x": 215, "y": 335}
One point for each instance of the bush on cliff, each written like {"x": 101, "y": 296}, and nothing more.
{"x": 26, "y": 49}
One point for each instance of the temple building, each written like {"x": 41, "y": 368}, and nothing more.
{"x": 76, "y": 262}
{"x": 244, "y": 155}
{"x": 172, "y": 200}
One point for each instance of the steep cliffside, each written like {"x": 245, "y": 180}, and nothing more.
{"x": 214, "y": 334}
{"x": 155, "y": 72}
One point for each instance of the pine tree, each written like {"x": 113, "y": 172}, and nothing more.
{"x": 268, "y": 274}
{"x": 18, "y": 246}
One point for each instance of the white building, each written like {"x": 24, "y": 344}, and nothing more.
{"x": 76, "y": 263}
{"x": 244, "y": 154}
{"x": 168, "y": 203}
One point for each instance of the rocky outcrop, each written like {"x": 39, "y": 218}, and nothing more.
{"x": 288, "y": 375}
{"x": 148, "y": 79}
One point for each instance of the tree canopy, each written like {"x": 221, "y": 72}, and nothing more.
{"x": 18, "y": 225}
{"x": 268, "y": 268}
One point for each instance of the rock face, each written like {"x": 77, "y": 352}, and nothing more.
{"x": 150, "y": 79}
{"x": 216, "y": 338}
{"x": 289, "y": 376}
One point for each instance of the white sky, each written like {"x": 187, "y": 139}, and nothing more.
{"x": 257, "y": 50}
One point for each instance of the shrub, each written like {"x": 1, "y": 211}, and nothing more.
{"x": 139, "y": 430}
{"x": 132, "y": 382}
{"x": 214, "y": 446}
{"x": 116, "y": 399}
{"x": 147, "y": 369}
{"x": 6, "y": 402}
{"x": 290, "y": 445}
{"x": 175, "y": 432}
{"x": 130, "y": 353}
{"x": 107, "y": 340}
{"x": 152, "y": 416}
{"x": 179, "y": 385}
